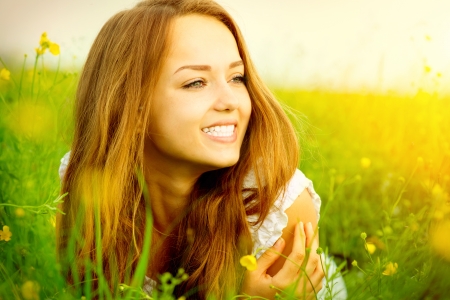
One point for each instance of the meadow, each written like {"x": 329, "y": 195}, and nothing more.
{"x": 381, "y": 164}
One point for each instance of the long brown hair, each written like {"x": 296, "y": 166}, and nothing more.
{"x": 107, "y": 156}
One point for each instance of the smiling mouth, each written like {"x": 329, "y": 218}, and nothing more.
{"x": 223, "y": 130}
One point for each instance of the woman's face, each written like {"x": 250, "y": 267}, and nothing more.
{"x": 201, "y": 107}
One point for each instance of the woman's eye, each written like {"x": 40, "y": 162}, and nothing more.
{"x": 195, "y": 84}
{"x": 239, "y": 79}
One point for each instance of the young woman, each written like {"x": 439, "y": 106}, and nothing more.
{"x": 169, "y": 102}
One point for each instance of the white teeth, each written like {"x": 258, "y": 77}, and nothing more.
{"x": 223, "y": 130}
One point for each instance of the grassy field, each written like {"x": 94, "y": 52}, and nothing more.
{"x": 380, "y": 163}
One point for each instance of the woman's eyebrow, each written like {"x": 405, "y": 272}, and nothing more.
{"x": 208, "y": 68}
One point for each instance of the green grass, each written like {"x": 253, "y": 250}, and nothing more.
{"x": 397, "y": 200}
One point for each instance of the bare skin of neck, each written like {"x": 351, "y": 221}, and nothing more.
{"x": 169, "y": 186}
{"x": 169, "y": 192}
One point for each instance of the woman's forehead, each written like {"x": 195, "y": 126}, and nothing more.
{"x": 199, "y": 39}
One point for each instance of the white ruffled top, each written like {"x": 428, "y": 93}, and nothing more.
{"x": 272, "y": 227}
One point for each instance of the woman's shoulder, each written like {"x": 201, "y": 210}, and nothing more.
{"x": 272, "y": 227}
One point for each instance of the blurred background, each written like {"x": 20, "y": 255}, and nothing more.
{"x": 347, "y": 45}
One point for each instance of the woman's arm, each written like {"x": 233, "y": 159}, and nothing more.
{"x": 301, "y": 210}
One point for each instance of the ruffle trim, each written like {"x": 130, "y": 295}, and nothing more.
{"x": 271, "y": 229}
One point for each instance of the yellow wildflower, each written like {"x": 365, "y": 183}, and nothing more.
{"x": 20, "y": 212}
{"x": 5, "y": 235}
{"x": 249, "y": 261}
{"x": 30, "y": 290}
{"x": 365, "y": 162}
{"x": 376, "y": 242}
{"x": 44, "y": 42}
{"x": 427, "y": 69}
{"x": 390, "y": 269}
{"x": 439, "y": 193}
{"x": 39, "y": 51}
{"x": 54, "y": 48}
{"x": 5, "y": 74}
{"x": 439, "y": 241}
{"x": 371, "y": 248}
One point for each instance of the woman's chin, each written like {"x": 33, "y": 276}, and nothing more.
{"x": 223, "y": 163}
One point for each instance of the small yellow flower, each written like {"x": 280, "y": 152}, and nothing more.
{"x": 20, "y": 212}
{"x": 5, "y": 235}
{"x": 249, "y": 261}
{"x": 30, "y": 290}
{"x": 44, "y": 40}
{"x": 365, "y": 162}
{"x": 371, "y": 248}
{"x": 427, "y": 69}
{"x": 5, "y": 74}
{"x": 39, "y": 51}
{"x": 391, "y": 269}
{"x": 54, "y": 48}
{"x": 439, "y": 239}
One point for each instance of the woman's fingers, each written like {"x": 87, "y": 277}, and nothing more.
{"x": 302, "y": 267}
{"x": 270, "y": 255}
{"x": 291, "y": 266}
{"x": 310, "y": 235}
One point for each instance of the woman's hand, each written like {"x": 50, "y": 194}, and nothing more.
{"x": 301, "y": 274}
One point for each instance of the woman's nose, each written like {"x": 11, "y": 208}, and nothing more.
{"x": 226, "y": 98}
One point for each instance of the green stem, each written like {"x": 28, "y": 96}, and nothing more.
{"x": 57, "y": 71}
{"x": 21, "y": 75}
{"x": 399, "y": 197}
{"x": 34, "y": 75}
